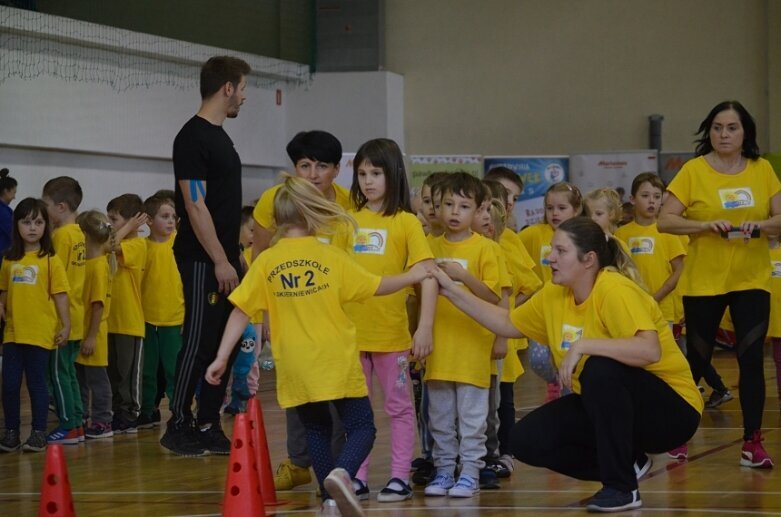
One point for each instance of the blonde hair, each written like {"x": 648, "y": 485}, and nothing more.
{"x": 97, "y": 228}
{"x": 498, "y": 217}
{"x": 612, "y": 201}
{"x": 300, "y": 204}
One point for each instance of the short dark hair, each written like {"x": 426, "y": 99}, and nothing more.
{"x": 466, "y": 185}
{"x": 126, "y": 205}
{"x": 501, "y": 172}
{"x": 166, "y": 193}
{"x": 647, "y": 177}
{"x": 33, "y": 207}
{"x": 64, "y": 189}
{"x": 385, "y": 154}
{"x": 315, "y": 145}
{"x": 6, "y": 181}
{"x": 219, "y": 70}
{"x": 153, "y": 203}
{"x": 750, "y": 148}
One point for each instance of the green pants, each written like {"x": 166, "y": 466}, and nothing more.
{"x": 65, "y": 385}
{"x": 161, "y": 346}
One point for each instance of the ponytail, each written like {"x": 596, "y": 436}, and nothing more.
{"x": 622, "y": 262}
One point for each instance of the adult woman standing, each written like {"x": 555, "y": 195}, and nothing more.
{"x": 7, "y": 194}
{"x": 731, "y": 199}
{"x": 633, "y": 391}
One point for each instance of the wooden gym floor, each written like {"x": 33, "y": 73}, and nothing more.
{"x": 132, "y": 475}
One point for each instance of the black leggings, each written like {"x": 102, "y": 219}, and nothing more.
{"x": 750, "y": 311}
{"x": 621, "y": 413}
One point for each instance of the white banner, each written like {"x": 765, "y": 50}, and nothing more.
{"x": 618, "y": 169}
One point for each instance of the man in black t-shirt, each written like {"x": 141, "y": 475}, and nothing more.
{"x": 208, "y": 202}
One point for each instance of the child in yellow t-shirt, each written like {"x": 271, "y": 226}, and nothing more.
{"x": 34, "y": 304}
{"x": 162, "y": 300}
{"x": 303, "y": 283}
{"x": 126, "y": 328}
{"x": 563, "y": 201}
{"x": 430, "y": 197}
{"x": 458, "y": 371}
{"x": 62, "y": 196}
{"x": 389, "y": 240}
{"x": 92, "y": 360}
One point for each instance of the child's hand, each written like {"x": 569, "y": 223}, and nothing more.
{"x": 138, "y": 220}
{"x": 446, "y": 285}
{"x": 419, "y": 272}
{"x": 453, "y": 269}
{"x": 61, "y": 338}
{"x": 499, "y": 350}
{"x": 88, "y": 346}
{"x": 422, "y": 343}
{"x": 214, "y": 372}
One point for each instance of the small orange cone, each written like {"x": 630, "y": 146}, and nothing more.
{"x": 56, "y": 487}
{"x": 255, "y": 413}
{"x": 242, "y": 490}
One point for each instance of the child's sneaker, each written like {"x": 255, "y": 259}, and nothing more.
{"x": 63, "y": 436}
{"x": 328, "y": 508}
{"x": 679, "y": 453}
{"x": 361, "y": 490}
{"x": 498, "y": 467}
{"x": 718, "y": 398}
{"x": 424, "y": 472}
{"x": 80, "y": 430}
{"x": 290, "y": 475}
{"x": 99, "y": 430}
{"x": 36, "y": 442}
{"x": 441, "y": 484}
{"x": 122, "y": 426}
{"x": 10, "y": 441}
{"x": 753, "y": 454}
{"x": 395, "y": 491}
{"x": 146, "y": 421}
{"x": 612, "y": 500}
{"x": 340, "y": 488}
{"x": 507, "y": 461}
{"x": 466, "y": 486}
{"x": 488, "y": 479}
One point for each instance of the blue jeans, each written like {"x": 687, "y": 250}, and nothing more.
{"x": 33, "y": 362}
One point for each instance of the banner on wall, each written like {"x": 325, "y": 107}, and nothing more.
{"x": 538, "y": 173}
{"x": 618, "y": 169}
{"x": 345, "y": 176}
{"x": 671, "y": 163}
{"x": 421, "y": 166}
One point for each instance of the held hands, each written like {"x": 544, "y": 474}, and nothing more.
{"x": 422, "y": 343}
{"x": 418, "y": 273}
{"x": 227, "y": 278}
{"x": 88, "y": 346}
{"x": 446, "y": 284}
{"x": 568, "y": 365}
{"x": 499, "y": 350}
{"x": 61, "y": 338}
{"x": 453, "y": 269}
{"x": 214, "y": 371}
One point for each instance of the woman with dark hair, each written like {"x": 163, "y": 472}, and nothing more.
{"x": 633, "y": 392}
{"x": 7, "y": 194}
{"x": 728, "y": 200}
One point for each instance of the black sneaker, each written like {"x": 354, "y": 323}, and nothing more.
{"x": 612, "y": 500}
{"x": 488, "y": 479}
{"x": 10, "y": 441}
{"x": 183, "y": 441}
{"x": 424, "y": 474}
{"x": 123, "y": 426}
{"x": 718, "y": 398}
{"x": 146, "y": 422}
{"x": 214, "y": 440}
{"x": 498, "y": 467}
{"x": 36, "y": 442}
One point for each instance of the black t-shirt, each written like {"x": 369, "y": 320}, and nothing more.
{"x": 205, "y": 152}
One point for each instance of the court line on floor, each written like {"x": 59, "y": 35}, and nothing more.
{"x": 456, "y": 509}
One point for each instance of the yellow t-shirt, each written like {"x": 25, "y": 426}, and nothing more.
{"x": 536, "y": 238}
{"x": 127, "y": 313}
{"x": 303, "y": 283}
{"x": 69, "y": 245}
{"x": 264, "y": 210}
{"x": 715, "y": 265}
{"x": 30, "y": 315}
{"x": 774, "y": 329}
{"x": 97, "y": 288}
{"x": 462, "y": 347}
{"x": 385, "y": 245}
{"x": 519, "y": 263}
{"x": 616, "y": 308}
{"x": 162, "y": 296}
{"x": 652, "y": 252}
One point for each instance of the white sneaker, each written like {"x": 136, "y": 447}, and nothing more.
{"x": 340, "y": 486}
{"x": 466, "y": 486}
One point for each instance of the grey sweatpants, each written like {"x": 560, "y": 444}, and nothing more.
{"x": 93, "y": 380}
{"x": 451, "y": 405}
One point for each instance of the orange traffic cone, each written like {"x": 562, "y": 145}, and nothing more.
{"x": 255, "y": 413}
{"x": 56, "y": 488}
{"x": 242, "y": 490}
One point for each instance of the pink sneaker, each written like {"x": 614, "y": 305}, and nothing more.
{"x": 554, "y": 391}
{"x": 340, "y": 487}
{"x": 753, "y": 454}
{"x": 679, "y": 453}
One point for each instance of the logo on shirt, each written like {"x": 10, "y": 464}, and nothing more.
{"x": 370, "y": 241}
{"x": 736, "y": 197}
{"x": 775, "y": 268}
{"x": 22, "y": 274}
{"x": 641, "y": 245}
{"x": 545, "y": 250}
{"x": 569, "y": 335}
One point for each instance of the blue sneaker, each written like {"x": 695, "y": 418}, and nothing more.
{"x": 63, "y": 436}
{"x": 466, "y": 486}
{"x": 612, "y": 500}
{"x": 440, "y": 486}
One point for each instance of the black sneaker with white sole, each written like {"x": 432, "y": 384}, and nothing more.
{"x": 214, "y": 440}
{"x": 611, "y": 500}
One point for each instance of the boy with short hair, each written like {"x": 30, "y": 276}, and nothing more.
{"x": 458, "y": 371}
{"x": 162, "y": 300}
{"x": 126, "y": 320}
{"x": 62, "y": 196}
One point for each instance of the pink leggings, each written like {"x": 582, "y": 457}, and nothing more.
{"x": 392, "y": 372}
